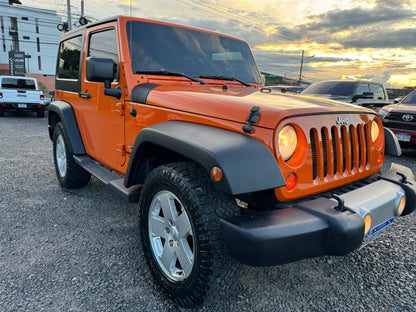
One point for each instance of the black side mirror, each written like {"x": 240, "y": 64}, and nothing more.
{"x": 102, "y": 70}
{"x": 99, "y": 69}
{"x": 364, "y": 95}
{"x": 367, "y": 95}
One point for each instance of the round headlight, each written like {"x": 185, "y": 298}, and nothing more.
{"x": 375, "y": 131}
{"x": 287, "y": 142}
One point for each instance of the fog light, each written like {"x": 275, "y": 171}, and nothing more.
{"x": 216, "y": 173}
{"x": 291, "y": 182}
{"x": 402, "y": 203}
{"x": 367, "y": 223}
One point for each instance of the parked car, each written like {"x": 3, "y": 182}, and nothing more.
{"x": 21, "y": 93}
{"x": 286, "y": 89}
{"x": 358, "y": 92}
{"x": 401, "y": 119}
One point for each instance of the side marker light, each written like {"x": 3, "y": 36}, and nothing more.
{"x": 216, "y": 174}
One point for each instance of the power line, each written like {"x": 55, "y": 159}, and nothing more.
{"x": 40, "y": 42}
{"x": 249, "y": 22}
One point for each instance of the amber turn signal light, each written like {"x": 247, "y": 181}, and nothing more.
{"x": 367, "y": 223}
{"x": 380, "y": 159}
{"x": 402, "y": 203}
{"x": 216, "y": 174}
{"x": 291, "y": 181}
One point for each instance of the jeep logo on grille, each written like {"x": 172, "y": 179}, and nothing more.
{"x": 407, "y": 117}
{"x": 343, "y": 121}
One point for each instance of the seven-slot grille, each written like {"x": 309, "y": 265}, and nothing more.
{"x": 340, "y": 149}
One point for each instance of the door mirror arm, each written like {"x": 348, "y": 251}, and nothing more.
{"x": 111, "y": 92}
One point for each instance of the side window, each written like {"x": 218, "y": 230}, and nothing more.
{"x": 363, "y": 87}
{"x": 103, "y": 44}
{"x": 378, "y": 92}
{"x": 69, "y": 58}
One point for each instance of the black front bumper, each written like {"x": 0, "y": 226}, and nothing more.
{"x": 313, "y": 228}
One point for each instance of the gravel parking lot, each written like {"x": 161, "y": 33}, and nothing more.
{"x": 79, "y": 250}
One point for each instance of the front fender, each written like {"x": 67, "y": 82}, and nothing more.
{"x": 247, "y": 164}
{"x": 67, "y": 117}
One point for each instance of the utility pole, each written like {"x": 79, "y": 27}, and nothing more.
{"x": 301, "y": 66}
{"x": 68, "y": 5}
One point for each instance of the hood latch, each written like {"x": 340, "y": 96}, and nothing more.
{"x": 252, "y": 118}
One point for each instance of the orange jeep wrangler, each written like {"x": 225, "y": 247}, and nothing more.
{"x": 177, "y": 119}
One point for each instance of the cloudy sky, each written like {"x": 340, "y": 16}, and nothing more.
{"x": 356, "y": 39}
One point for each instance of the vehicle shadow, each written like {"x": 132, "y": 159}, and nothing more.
{"x": 21, "y": 114}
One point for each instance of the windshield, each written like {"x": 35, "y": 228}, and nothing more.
{"x": 340, "y": 88}
{"x": 18, "y": 83}
{"x": 155, "y": 47}
{"x": 411, "y": 99}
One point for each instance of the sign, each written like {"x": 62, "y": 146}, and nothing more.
{"x": 17, "y": 63}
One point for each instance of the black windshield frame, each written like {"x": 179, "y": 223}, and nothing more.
{"x": 160, "y": 47}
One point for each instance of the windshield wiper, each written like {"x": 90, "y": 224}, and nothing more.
{"x": 169, "y": 73}
{"x": 228, "y": 78}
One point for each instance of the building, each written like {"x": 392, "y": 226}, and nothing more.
{"x": 29, "y": 42}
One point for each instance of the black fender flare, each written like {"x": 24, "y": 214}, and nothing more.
{"x": 392, "y": 146}
{"x": 67, "y": 116}
{"x": 247, "y": 164}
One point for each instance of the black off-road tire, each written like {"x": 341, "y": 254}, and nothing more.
{"x": 213, "y": 272}
{"x": 70, "y": 174}
{"x": 1, "y": 112}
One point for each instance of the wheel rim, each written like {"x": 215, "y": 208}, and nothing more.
{"x": 171, "y": 236}
{"x": 61, "y": 155}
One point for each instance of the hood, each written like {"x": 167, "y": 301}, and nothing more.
{"x": 400, "y": 108}
{"x": 235, "y": 103}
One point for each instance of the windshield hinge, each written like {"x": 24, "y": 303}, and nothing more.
{"x": 252, "y": 118}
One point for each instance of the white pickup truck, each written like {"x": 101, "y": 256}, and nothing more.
{"x": 21, "y": 93}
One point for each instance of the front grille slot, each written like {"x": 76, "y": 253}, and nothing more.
{"x": 338, "y": 150}
{"x": 344, "y": 149}
{"x": 325, "y": 151}
{"x": 334, "y": 134}
{"x": 314, "y": 156}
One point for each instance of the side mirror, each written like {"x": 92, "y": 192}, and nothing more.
{"x": 102, "y": 70}
{"x": 397, "y": 100}
{"x": 99, "y": 69}
{"x": 367, "y": 95}
{"x": 364, "y": 95}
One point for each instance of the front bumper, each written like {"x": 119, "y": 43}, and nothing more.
{"x": 318, "y": 227}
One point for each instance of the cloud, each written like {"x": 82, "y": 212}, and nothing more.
{"x": 376, "y": 78}
{"x": 335, "y": 21}
{"x": 403, "y": 38}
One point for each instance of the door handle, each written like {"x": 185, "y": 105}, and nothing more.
{"x": 84, "y": 95}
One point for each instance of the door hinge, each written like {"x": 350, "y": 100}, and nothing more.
{"x": 121, "y": 148}
{"x": 119, "y": 109}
